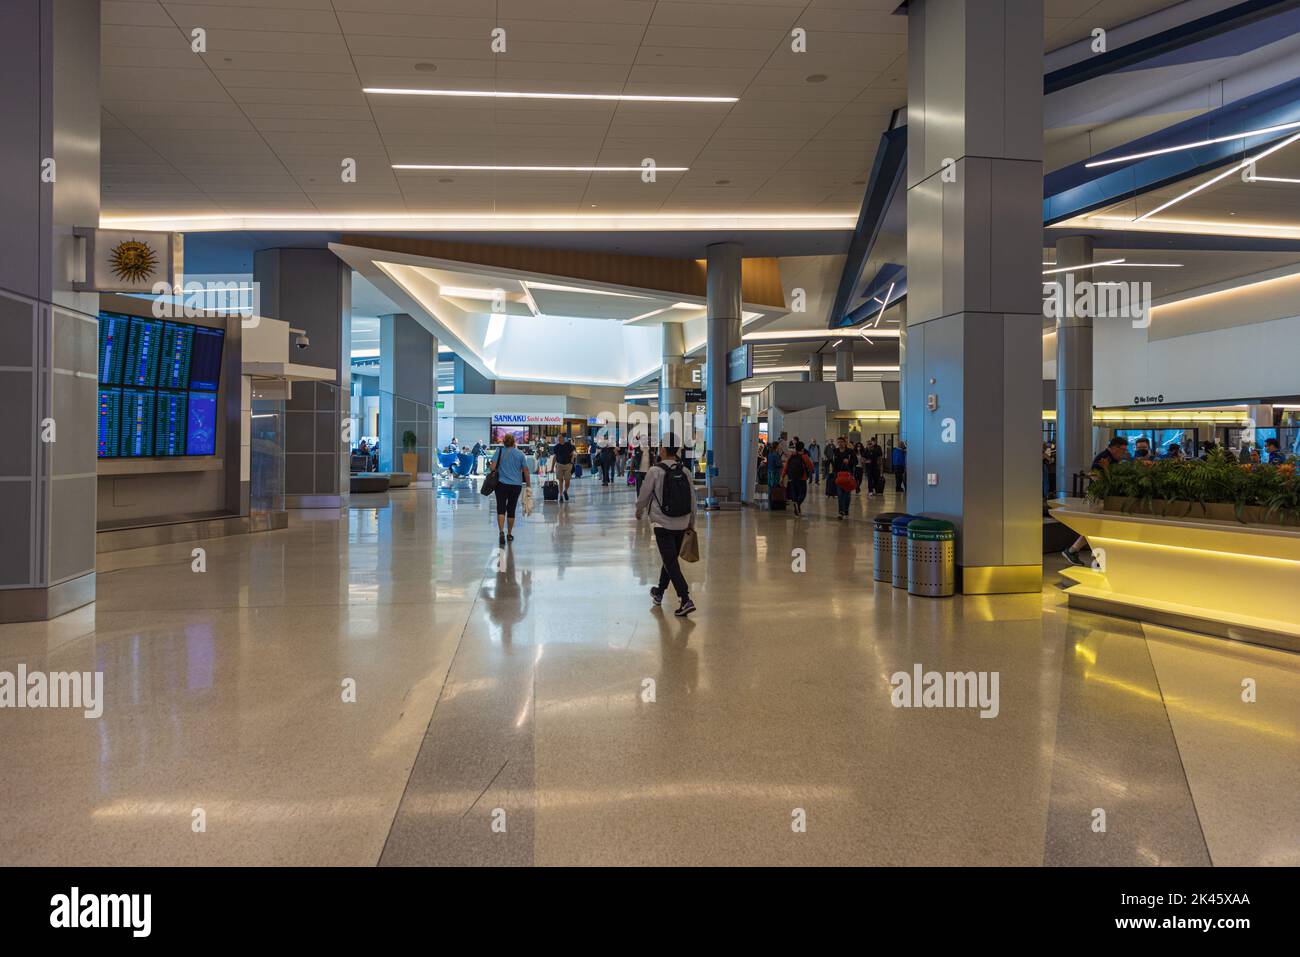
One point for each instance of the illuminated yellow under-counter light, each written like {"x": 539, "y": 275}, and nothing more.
{"x": 1217, "y": 418}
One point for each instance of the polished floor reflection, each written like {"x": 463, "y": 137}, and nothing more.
{"x": 531, "y": 707}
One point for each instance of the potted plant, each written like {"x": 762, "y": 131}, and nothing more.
{"x": 410, "y": 460}
{"x": 1216, "y": 487}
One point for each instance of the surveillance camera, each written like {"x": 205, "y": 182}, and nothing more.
{"x": 302, "y": 342}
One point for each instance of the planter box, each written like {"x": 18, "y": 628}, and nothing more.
{"x": 1215, "y": 511}
{"x": 1213, "y": 575}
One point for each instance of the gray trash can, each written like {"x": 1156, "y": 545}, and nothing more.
{"x": 931, "y": 558}
{"x": 882, "y": 540}
{"x": 898, "y": 558}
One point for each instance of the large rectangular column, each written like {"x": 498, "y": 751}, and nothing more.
{"x": 1074, "y": 442}
{"x": 815, "y": 367}
{"x": 973, "y": 367}
{"x": 49, "y": 184}
{"x": 722, "y": 334}
{"x": 311, "y": 289}
{"x": 408, "y": 371}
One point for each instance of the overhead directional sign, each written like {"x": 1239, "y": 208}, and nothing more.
{"x": 740, "y": 364}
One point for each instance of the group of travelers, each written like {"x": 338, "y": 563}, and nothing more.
{"x": 843, "y": 467}
{"x": 665, "y": 494}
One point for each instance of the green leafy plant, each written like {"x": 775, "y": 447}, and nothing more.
{"x": 408, "y": 441}
{"x": 1178, "y": 488}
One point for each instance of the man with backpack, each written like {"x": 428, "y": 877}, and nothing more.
{"x": 797, "y": 469}
{"x": 667, "y": 495}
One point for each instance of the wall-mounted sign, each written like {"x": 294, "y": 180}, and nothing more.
{"x": 528, "y": 418}
{"x": 687, "y": 375}
{"x": 1148, "y": 399}
{"x": 440, "y": 405}
{"x": 695, "y": 395}
{"x": 122, "y": 260}
{"x": 740, "y": 364}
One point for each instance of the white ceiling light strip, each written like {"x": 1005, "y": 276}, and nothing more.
{"x": 883, "y": 306}
{"x": 484, "y": 221}
{"x": 521, "y": 95}
{"x": 794, "y": 335}
{"x": 1222, "y": 176}
{"x": 538, "y": 169}
{"x": 1106, "y": 262}
{"x": 1191, "y": 146}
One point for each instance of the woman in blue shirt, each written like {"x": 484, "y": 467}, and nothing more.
{"x": 512, "y": 475}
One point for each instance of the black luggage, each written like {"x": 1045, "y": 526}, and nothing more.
{"x": 776, "y": 498}
{"x": 551, "y": 491}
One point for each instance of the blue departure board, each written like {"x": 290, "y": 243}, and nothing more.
{"x": 114, "y": 330}
{"x": 110, "y": 418}
{"x": 159, "y": 383}
{"x": 177, "y": 347}
{"x": 201, "y": 428}
{"x": 170, "y": 422}
{"x": 139, "y": 412}
{"x": 143, "y": 351}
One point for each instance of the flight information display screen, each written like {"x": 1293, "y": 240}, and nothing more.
{"x": 158, "y": 383}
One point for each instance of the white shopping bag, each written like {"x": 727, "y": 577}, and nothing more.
{"x": 528, "y": 500}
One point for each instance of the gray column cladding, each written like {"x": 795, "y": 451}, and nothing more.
{"x": 672, "y": 402}
{"x": 1073, "y": 373}
{"x": 973, "y": 368}
{"x": 816, "y": 367}
{"x": 49, "y": 102}
{"x": 722, "y": 334}
{"x": 311, "y": 289}
{"x": 844, "y": 361}
{"x": 408, "y": 369}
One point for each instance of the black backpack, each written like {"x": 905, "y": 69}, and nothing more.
{"x": 675, "y": 500}
{"x": 794, "y": 467}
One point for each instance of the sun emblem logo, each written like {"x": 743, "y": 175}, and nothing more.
{"x": 132, "y": 260}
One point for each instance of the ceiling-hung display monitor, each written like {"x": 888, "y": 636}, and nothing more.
{"x": 158, "y": 383}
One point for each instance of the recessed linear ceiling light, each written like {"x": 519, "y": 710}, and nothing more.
{"x": 1239, "y": 228}
{"x": 555, "y": 287}
{"x": 513, "y": 222}
{"x": 465, "y": 292}
{"x": 520, "y": 95}
{"x": 771, "y": 370}
{"x": 540, "y": 169}
{"x": 1107, "y": 262}
{"x": 1192, "y": 146}
{"x": 1222, "y": 176}
{"x": 798, "y": 334}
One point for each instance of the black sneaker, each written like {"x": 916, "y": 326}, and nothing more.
{"x": 1073, "y": 558}
{"x": 656, "y": 596}
{"x": 685, "y": 608}
{"x": 510, "y": 538}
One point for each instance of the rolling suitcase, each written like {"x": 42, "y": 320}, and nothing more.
{"x": 551, "y": 491}
{"x": 776, "y": 498}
